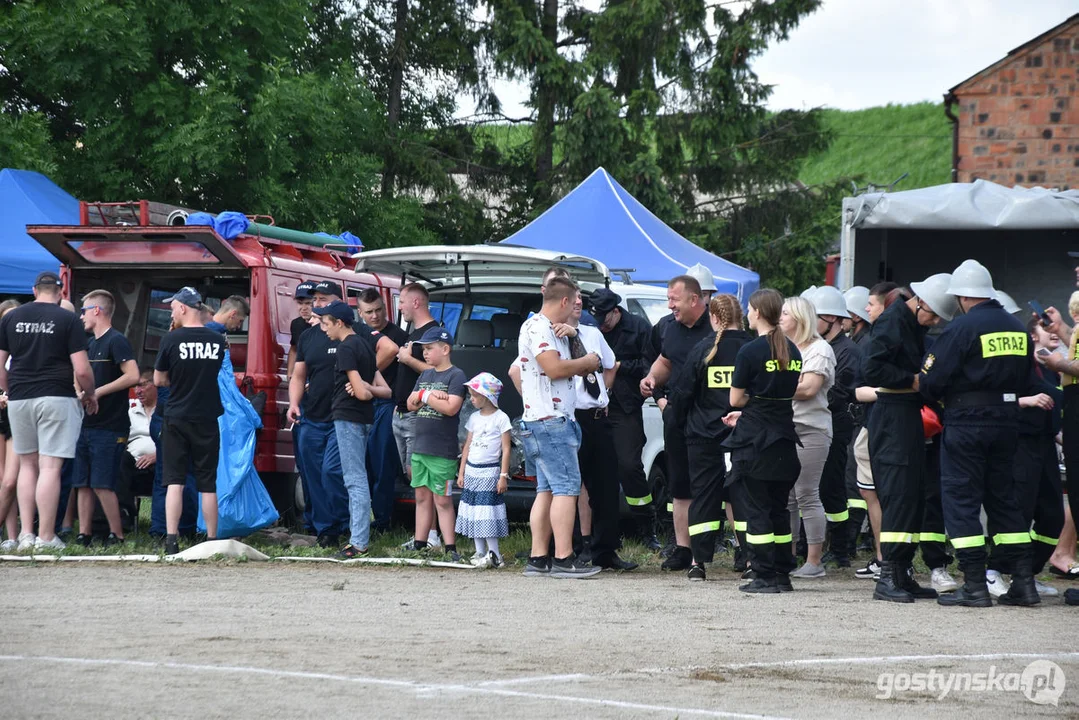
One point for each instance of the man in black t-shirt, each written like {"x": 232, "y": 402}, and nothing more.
{"x": 188, "y": 364}
{"x": 46, "y": 345}
{"x": 689, "y": 326}
{"x": 356, "y": 383}
{"x": 305, "y": 297}
{"x": 103, "y": 438}
{"x": 414, "y": 303}
{"x": 383, "y": 460}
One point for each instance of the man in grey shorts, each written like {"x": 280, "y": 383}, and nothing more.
{"x": 47, "y": 346}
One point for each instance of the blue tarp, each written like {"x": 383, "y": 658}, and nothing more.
{"x": 29, "y": 198}
{"x": 599, "y": 219}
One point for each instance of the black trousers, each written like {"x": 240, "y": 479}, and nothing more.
{"x": 674, "y": 447}
{"x": 897, "y": 455}
{"x": 932, "y": 540}
{"x": 707, "y": 472}
{"x": 857, "y": 508}
{"x": 833, "y": 487}
{"x": 762, "y": 504}
{"x": 598, "y": 476}
{"x": 627, "y": 430}
{"x": 1071, "y": 445}
{"x": 976, "y": 469}
{"x": 1037, "y": 486}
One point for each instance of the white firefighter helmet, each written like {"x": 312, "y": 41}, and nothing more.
{"x": 933, "y": 291}
{"x": 829, "y": 301}
{"x": 972, "y": 280}
{"x": 857, "y": 298}
{"x": 704, "y": 276}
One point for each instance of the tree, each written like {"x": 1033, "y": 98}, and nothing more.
{"x": 252, "y": 105}
{"x": 661, "y": 93}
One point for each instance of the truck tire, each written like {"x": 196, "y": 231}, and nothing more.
{"x": 286, "y": 492}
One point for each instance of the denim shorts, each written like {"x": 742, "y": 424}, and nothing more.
{"x": 97, "y": 459}
{"x": 551, "y": 446}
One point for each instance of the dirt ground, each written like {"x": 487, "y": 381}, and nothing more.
{"x": 212, "y": 640}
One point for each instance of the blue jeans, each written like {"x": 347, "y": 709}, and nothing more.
{"x": 551, "y": 445}
{"x": 67, "y": 479}
{"x": 320, "y": 467}
{"x": 297, "y": 453}
{"x": 383, "y": 463}
{"x": 352, "y": 441}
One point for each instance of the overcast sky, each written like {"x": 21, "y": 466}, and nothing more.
{"x": 855, "y": 54}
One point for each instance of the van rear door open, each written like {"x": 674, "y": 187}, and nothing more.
{"x": 191, "y": 247}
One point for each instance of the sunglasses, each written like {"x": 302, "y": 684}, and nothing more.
{"x": 88, "y": 308}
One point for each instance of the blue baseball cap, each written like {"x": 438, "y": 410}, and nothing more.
{"x": 436, "y": 334}
{"x": 339, "y": 310}
{"x": 188, "y": 296}
{"x": 327, "y": 287}
{"x": 305, "y": 290}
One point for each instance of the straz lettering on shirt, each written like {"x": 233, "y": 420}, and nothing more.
{"x": 792, "y": 366}
{"x": 1000, "y": 344}
{"x": 720, "y": 377}
{"x": 35, "y": 328}
{"x": 199, "y": 351}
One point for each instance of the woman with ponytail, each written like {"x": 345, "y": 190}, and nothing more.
{"x": 763, "y": 445}
{"x": 700, "y": 394}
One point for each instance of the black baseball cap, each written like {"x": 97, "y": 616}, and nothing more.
{"x": 48, "y": 278}
{"x": 338, "y": 309}
{"x": 436, "y": 334}
{"x": 305, "y": 290}
{"x": 602, "y": 302}
{"x": 327, "y": 287}
{"x": 188, "y": 296}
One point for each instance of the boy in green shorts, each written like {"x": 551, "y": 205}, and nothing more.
{"x": 436, "y": 400}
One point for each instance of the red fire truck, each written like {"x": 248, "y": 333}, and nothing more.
{"x": 141, "y": 264}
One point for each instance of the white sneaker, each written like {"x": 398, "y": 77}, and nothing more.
{"x": 432, "y": 540}
{"x": 996, "y": 582}
{"x": 26, "y": 542}
{"x": 941, "y": 581}
{"x": 8, "y": 545}
{"x": 1045, "y": 590}
{"x": 55, "y": 544}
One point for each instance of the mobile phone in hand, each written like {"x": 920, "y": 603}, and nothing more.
{"x": 1040, "y": 312}
{"x": 1044, "y": 352}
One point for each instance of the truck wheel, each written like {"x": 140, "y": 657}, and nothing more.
{"x": 286, "y": 492}
{"x": 661, "y": 496}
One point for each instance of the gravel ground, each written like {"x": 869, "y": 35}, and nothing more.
{"x": 245, "y": 640}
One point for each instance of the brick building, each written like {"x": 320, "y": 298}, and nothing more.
{"x": 1018, "y": 119}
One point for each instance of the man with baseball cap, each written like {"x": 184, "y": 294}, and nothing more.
{"x": 46, "y": 345}
{"x": 629, "y": 337}
{"x": 188, "y": 363}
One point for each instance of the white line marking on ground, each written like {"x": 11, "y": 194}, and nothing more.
{"x": 535, "y": 678}
{"x": 885, "y": 659}
{"x": 388, "y": 682}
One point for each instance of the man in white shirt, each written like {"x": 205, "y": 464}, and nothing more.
{"x": 599, "y": 520}
{"x": 137, "y": 467}
{"x": 549, "y": 432}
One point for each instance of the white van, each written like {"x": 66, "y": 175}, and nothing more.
{"x": 482, "y": 294}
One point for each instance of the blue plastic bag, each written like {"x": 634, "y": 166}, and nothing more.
{"x": 230, "y": 224}
{"x": 243, "y": 505}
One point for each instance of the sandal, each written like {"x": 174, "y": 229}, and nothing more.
{"x": 1072, "y": 572}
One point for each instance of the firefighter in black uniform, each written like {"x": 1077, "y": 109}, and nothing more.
{"x": 689, "y": 326}
{"x": 763, "y": 445}
{"x": 857, "y": 301}
{"x": 896, "y": 435}
{"x": 979, "y": 367}
{"x": 831, "y": 309}
{"x": 629, "y": 336}
{"x": 700, "y": 395}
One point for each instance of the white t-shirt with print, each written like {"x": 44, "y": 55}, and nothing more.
{"x": 486, "y": 447}
{"x": 542, "y": 396}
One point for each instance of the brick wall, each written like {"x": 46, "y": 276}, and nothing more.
{"x": 1019, "y": 119}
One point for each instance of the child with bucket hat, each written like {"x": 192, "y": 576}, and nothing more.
{"x": 484, "y": 472}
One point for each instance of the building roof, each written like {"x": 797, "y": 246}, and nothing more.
{"x": 1021, "y": 49}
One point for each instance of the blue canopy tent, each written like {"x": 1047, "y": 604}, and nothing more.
{"x": 601, "y": 220}
{"x": 29, "y": 198}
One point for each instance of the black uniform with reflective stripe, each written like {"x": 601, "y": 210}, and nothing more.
{"x": 701, "y": 390}
{"x": 848, "y": 358}
{"x": 893, "y": 353}
{"x": 1035, "y": 421}
{"x": 985, "y": 351}
{"x": 631, "y": 341}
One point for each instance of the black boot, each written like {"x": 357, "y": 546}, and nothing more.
{"x": 1022, "y": 591}
{"x": 974, "y": 591}
{"x": 783, "y": 582}
{"x": 646, "y": 531}
{"x": 890, "y": 585}
{"x": 911, "y": 585}
{"x": 741, "y": 559}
